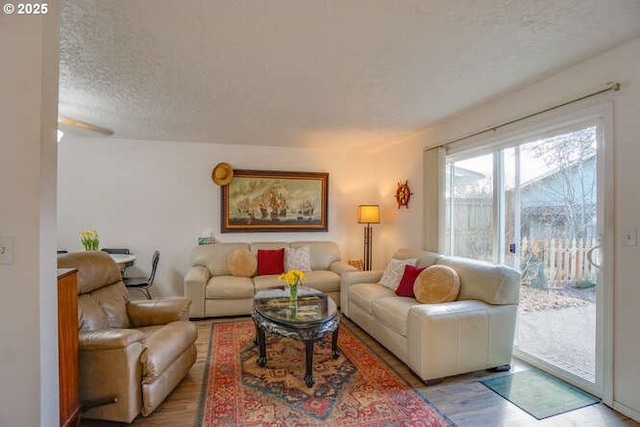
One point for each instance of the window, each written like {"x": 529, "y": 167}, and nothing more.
{"x": 469, "y": 194}
{"x": 512, "y": 201}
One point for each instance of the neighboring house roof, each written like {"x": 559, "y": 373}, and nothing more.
{"x": 561, "y": 186}
{"x": 464, "y": 177}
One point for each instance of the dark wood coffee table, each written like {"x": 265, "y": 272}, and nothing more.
{"x": 309, "y": 319}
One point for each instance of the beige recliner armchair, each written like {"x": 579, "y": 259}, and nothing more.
{"x": 132, "y": 354}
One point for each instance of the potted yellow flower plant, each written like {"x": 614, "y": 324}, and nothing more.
{"x": 90, "y": 240}
{"x": 293, "y": 278}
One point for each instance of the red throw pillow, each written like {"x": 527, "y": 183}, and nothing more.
{"x": 405, "y": 288}
{"x": 270, "y": 261}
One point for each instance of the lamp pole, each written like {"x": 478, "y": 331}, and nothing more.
{"x": 367, "y": 215}
{"x": 368, "y": 247}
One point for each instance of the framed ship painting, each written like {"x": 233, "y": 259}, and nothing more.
{"x": 256, "y": 201}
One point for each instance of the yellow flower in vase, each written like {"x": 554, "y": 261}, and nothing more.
{"x": 293, "y": 278}
{"x": 90, "y": 240}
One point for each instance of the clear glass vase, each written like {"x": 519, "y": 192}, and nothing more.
{"x": 293, "y": 291}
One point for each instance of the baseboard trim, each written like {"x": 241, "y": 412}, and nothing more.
{"x": 625, "y": 410}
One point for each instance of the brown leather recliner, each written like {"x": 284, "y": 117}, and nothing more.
{"x": 132, "y": 354}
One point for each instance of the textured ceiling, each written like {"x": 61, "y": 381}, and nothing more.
{"x": 331, "y": 73}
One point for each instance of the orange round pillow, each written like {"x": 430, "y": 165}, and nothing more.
{"x": 242, "y": 263}
{"x": 438, "y": 283}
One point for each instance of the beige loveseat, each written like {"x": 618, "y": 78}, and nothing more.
{"x": 132, "y": 354}
{"x": 215, "y": 292}
{"x": 474, "y": 332}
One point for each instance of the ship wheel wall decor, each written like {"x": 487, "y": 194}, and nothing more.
{"x": 403, "y": 194}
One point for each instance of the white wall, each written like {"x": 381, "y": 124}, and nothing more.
{"x": 28, "y": 308}
{"x": 148, "y": 195}
{"x": 622, "y": 65}
{"x": 401, "y": 226}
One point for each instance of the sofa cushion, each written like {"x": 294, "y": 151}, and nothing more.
{"x": 214, "y": 256}
{"x": 436, "y": 284}
{"x": 270, "y": 261}
{"x": 253, "y": 247}
{"x": 113, "y": 300}
{"x": 424, "y": 258}
{"x": 229, "y": 287}
{"x": 268, "y": 281}
{"x": 323, "y": 253}
{"x": 393, "y": 312}
{"x": 297, "y": 259}
{"x": 91, "y": 317}
{"x": 405, "y": 288}
{"x": 394, "y": 271}
{"x": 95, "y": 269}
{"x": 363, "y": 295}
{"x": 149, "y": 330}
{"x": 242, "y": 263}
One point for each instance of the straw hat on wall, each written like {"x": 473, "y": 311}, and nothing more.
{"x": 222, "y": 174}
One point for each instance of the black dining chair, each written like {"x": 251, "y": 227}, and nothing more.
{"x": 144, "y": 283}
{"x": 119, "y": 251}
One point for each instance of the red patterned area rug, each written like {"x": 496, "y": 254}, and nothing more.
{"x": 357, "y": 389}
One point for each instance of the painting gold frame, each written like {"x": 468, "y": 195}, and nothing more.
{"x": 275, "y": 201}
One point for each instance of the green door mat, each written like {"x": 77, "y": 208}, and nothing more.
{"x": 539, "y": 394}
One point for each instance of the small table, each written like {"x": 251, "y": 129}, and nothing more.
{"x": 123, "y": 260}
{"x": 309, "y": 319}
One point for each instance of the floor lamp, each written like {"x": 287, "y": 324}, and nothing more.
{"x": 368, "y": 214}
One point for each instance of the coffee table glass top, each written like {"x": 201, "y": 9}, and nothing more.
{"x": 311, "y": 307}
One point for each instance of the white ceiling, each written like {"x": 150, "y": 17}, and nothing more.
{"x": 330, "y": 73}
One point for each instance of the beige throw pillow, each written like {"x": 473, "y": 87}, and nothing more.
{"x": 394, "y": 271}
{"x": 242, "y": 263}
{"x": 438, "y": 283}
{"x": 297, "y": 258}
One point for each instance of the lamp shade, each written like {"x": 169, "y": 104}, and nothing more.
{"x": 369, "y": 214}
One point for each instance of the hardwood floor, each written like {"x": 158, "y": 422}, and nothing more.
{"x": 469, "y": 403}
{"x": 462, "y": 398}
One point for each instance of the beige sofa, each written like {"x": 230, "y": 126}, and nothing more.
{"x": 438, "y": 340}
{"x": 132, "y": 354}
{"x": 214, "y": 292}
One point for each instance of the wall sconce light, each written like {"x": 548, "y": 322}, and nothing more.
{"x": 368, "y": 214}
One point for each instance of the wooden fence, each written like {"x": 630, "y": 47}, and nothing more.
{"x": 557, "y": 262}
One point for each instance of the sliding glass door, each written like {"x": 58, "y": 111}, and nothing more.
{"x": 535, "y": 204}
{"x": 552, "y": 230}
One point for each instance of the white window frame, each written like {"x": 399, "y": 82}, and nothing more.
{"x": 567, "y": 118}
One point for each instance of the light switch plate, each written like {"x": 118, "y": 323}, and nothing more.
{"x": 629, "y": 237}
{"x": 6, "y": 249}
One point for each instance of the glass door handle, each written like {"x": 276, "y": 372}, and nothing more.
{"x": 590, "y": 255}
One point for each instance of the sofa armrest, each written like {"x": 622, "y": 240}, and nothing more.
{"x": 107, "y": 339}
{"x": 195, "y": 283}
{"x": 340, "y": 267}
{"x": 164, "y": 347}
{"x": 158, "y": 311}
{"x": 109, "y": 373}
{"x": 350, "y": 278}
{"x": 459, "y": 336}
